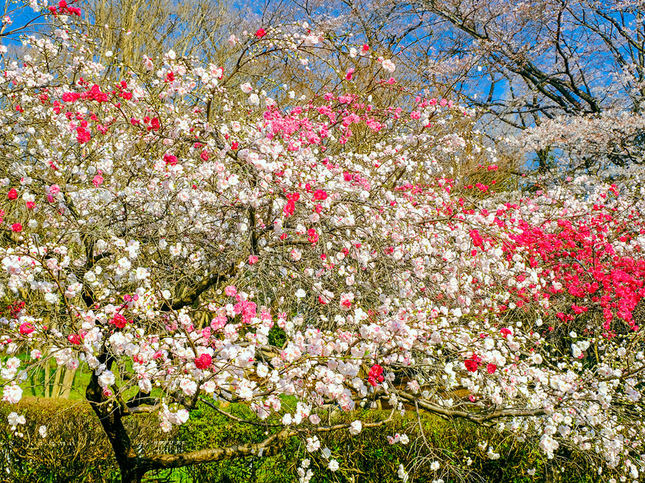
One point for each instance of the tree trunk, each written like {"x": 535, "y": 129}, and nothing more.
{"x": 134, "y": 466}
{"x": 130, "y": 474}
{"x": 68, "y": 382}
{"x": 47, "y": 376}
{"x": 56, "y": 386}
{"x": 111, "y": 418}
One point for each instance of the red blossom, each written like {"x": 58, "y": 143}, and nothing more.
{"x": 170, "y": 159}
{"x": 75, "y": 339}
{"x": 320, "y": 195}
{"x": 82, "y": 135}
{"x": 472, "y": 364}
{"x": 155, "y": 125}
{"x": 119, "y": 321}
{"x": 204, "y": 361}
{"x": 478, "y": 241}
{"x": 375, "y": 375}
{"x": 289, "y": 208}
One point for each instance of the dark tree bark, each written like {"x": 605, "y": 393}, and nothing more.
{"x": 111, "y": 418}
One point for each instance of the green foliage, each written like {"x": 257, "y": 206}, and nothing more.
{"x": 208, "y": 428}
{"x": 75, "y": 447}
{"x": 369, "y": 457}
{"x": 277, "y": 336}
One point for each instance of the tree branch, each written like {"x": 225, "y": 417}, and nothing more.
{"x": 268, "y": 447}
{"x": 454, "y": 413}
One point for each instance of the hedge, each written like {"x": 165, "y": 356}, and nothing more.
{"x": 76, "y": 449}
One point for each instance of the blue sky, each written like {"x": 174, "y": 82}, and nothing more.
{"x": 21, "y": 16}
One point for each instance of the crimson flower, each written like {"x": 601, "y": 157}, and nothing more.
{"x": 289, "y": 208}
{"x": 119, "y": 321}
{"x": 375, "y": 375}
{"x": 170, "y": 159}
{"x": 203, "y": 361}
{"x": 472, "y": 364}
{"x": 320, "y": 195}
{"x": 75, "y": 339}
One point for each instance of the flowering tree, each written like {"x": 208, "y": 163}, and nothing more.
{"x": 133, "y": 28}
{"x": 523, "y": 64}
{"x": 543, "y": 59}
{"x": 191, "y": 240}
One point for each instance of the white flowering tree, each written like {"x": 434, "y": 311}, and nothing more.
{"x": 193, "y": 240}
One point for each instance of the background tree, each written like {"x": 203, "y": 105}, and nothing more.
{"x": 546, "y": 60}
{"x": 520, "y": 64}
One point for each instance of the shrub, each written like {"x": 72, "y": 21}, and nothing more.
{"x": 75, "y": 447}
